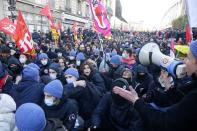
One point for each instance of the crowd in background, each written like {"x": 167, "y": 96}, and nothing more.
{"x": 67, "y": 84}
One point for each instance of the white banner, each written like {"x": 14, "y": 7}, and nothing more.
{"x": 191, "y": 7}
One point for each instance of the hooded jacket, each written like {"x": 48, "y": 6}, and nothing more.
{"x": 7, "y": 116}
{"x": 29, "y": 89}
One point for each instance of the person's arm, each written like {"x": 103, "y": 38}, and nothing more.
{"x": 100, "y": 111}
{"x": 175, "y": 117}
{"x": 74, "y": 89}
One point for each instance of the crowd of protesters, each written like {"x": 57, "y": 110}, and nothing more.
{"x": 93, "y": 83}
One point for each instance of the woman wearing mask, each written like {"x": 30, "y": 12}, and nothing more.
{"x": 128, "y": 58}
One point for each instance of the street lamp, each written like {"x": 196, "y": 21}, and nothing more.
{"x": 12, "y": 8}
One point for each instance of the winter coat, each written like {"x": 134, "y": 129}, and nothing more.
{"x": 113, "y": 117}
{"x": 97, "y": 80}
{"x": 181, "y": 116}
{"x": 27, "y": 91}
{"x": 87, "y": 98}
{"x": 66, "y": 111}
{"x": 7, "y": 116}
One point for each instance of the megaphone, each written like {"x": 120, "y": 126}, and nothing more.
{"x": 151, "y": 54}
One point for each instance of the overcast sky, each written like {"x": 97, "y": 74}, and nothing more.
{"x": 148, "y": 11}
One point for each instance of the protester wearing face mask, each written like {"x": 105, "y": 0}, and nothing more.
{"x": 141, "y": 80}
{"x": 79, "y": 59}
{"x": 127, "y": 75}
{"x": 84, "y": 92}
{"x": 56, "y": 73}
{"x": 114, "y": 113}
{"x": 29, "y": 89}
{"x": 14, "y": 68}
{"x": 127, "y": 58}
{"x": 43, "y": 63}
{"x": 116, "y": 67}
{"x": 58, "y": 106}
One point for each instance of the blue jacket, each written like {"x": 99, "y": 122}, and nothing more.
{"x": 27, "y": 91}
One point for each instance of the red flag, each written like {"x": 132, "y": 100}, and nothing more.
{"x": 188, "y": 34}
{"x": 172, "y": 45}
{"x": 22, "y": 36}
{"x": 7, "y": 26}
{"x": 74, "y": 28}
{"x": 47, "y": 12}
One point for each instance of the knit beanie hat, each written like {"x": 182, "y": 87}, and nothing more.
{"x": 54, "y": 88}
{"x": 193, "y": 48}
{"x": 43, "y": 56}
{"x": 72, "y": 53}
{"x": 33, "y": 66}
{"x": 30, "y": 73}
{"x": 72, "y": 71}
{"x": 30, "y": 117}
{"x": 80, "y": 56}
{"x": 55, "y": 67}
{"x": 115, "y": 60}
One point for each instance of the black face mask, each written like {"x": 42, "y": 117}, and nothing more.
{"x": 128, "y": 80}
{"x": 15, "y": 70}
{"x": 3, "y": 59}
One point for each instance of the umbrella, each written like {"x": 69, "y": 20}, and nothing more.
{"x": 182, "y": 48}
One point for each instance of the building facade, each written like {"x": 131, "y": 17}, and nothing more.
{"x": 65, "y": 11}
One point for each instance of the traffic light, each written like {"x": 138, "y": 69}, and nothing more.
{"x": 12, "y": 2}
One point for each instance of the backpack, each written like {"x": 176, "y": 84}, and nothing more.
{"x": 54, "y": 124}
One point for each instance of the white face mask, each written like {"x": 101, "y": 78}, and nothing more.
{"x": 59, "y": 54}
{"x": 22, "y": 60}
{"x": 53, "y": 76}
{"x": 70, "y": 80}
{"x": 44, "y": 62}
{"x": 49, "y": 102}
{"x": 124, "y": 55}
{"x": 78, "y": 63}
{"x": 72, "y": 58}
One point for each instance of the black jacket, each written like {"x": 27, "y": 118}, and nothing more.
{"x": 87, "y": 98}
{"x": 113, "y": 117}
{"x": 182, "y": 116}
{"x": 97, "y": 80}
{"x": 66, "y": 111}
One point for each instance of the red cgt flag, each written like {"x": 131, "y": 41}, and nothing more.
{"x": 188, "y": 34}
{"x": 22, "y": 36}
{"x": 7, "y": 26}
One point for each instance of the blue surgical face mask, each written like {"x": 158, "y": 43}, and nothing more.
{"x": 49, "y": 101}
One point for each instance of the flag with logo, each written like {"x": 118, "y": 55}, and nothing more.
{"x": 22, "y": 36}
{"x": 100, "y": 20}
{"x": 7, "y": 26}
